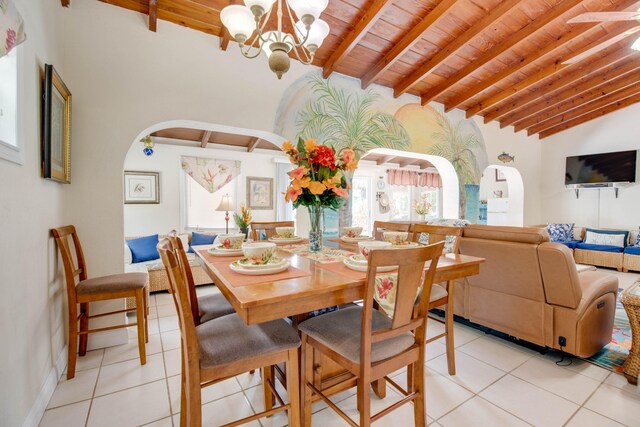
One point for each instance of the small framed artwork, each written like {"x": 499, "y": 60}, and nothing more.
{"x": 56, "y": 128}
{"x": 259, "y": 193}
{"x": 500, "y": 176}
{"x": 141, "y": 187}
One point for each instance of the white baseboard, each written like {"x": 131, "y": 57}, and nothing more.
{"x": 49, "y": 386}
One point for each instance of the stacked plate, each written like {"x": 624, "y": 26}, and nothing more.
{"x": 406, "y": 245}
{"x": 356, "y": 239}
{"x": 293, "y": 239}
{"x": 221, "y": 251}
{"x": 360, "y": 263}
{"x": 256, "y": 268}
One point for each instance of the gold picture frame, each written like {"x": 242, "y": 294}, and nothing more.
{"x": 56, "y": 128}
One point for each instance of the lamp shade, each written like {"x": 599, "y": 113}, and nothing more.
{"x": 308, "y": 7}
{"x": 636, "y": 45}
{"x": 317, "y": 33}
{"x": 239, "y": 21}
{"x": 264, "y": 4}
{"x": 226, "y": 204}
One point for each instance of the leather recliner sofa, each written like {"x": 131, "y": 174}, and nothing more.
{"x": 529, "y": 288}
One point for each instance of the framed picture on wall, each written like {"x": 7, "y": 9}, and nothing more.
{"x": 56, "y": 128}
{"x": 500, "y": 176}
{"x": 259, "y": 193}
{"x": 141, "y": 187}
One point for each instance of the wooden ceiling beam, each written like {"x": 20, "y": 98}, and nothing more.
{"x": 506, "y": 44}
{"x": 450, "y": 49}
{"x": 253, "y": 145}
{"x": 541, "y": 75}
{"x": 206, "y": 136}
{"x": 360, "y": 29}
{"x": 578, "y": 86}
{"x": 547, "y": 88}
{"x": 385, "y": 159}
{"x": 153, "y": 15}
{"x": 406, "y": 43}
{"x": 607, "y": 97}
{"x": 591, "y": 95}
{"x": 408, "y": 162}
{"x": 592, "y": 115}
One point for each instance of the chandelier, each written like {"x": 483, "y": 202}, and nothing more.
{"x": 309, "y": 31}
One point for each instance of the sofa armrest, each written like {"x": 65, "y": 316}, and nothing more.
{"x": 595, "y": 284}
{"x": 135, "y": 268}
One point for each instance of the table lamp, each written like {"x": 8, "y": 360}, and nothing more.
{"x": 226, "y": 205}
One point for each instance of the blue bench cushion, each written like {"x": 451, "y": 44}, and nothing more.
{"x": 601, "y": 248}
{"x": 144, "y": 248}
{"x": 632, "y": 250}
{"x": 571, "y": 244}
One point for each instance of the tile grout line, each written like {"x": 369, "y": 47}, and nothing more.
{"x": 95, "y": 386}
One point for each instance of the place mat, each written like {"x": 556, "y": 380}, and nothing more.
{"x": 209, "y": 257}
{"x": 328, "y": 255}
{"x": 340, "y": 268}
{"x": 238, "y": 280}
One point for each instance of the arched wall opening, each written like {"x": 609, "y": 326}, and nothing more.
{"x": 501, "y": 196}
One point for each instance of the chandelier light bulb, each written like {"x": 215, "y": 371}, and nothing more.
{"x": 240, "y": 22}
{"x": 304, "y": 8}
{"x": 259, "y": 7}
{"x": 318, "y": 31}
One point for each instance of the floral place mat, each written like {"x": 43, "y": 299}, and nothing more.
{"x": 328, "y": 255}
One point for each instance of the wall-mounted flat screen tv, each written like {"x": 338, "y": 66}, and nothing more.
{"x": 602, "y": 168}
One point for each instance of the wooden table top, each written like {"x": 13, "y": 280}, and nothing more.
{"x": 322, "y": 288}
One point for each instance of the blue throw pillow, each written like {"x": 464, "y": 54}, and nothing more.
{"x": 637, "y": 243}
{"x": 201, "y": 239}
{"x": 144, "y": 248}
{"x": 560, "y": 232}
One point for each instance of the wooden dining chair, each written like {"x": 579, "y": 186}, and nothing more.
{"x": 225, "y": 347}
{"x": 269, "y": 228}
{"x": 442, "y": 294}
{"x": 85, "y": 291}
{"x": 380, "y": 226}
{"x": 206, "y": 307}
{"x": 370, "y": 344}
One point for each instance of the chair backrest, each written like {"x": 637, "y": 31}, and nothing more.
{"x": 410, "y": 276}
{"x": 269, "y": 228}
{"x": 380, "y": 226}
{"x": 190, "y": 348}
{"x": 559, "y": 275}
{"x": 439, "y": 233}
{"x": 181, "y": 254}
{"x": 72, "y": 269}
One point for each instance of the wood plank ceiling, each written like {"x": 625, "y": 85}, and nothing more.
{"x": 517, "y": 62}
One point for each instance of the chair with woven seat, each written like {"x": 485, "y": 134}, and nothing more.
{"x": 87, "y": 290}
{"x": 380, "y": 226}
{"x": 370, "y": 344}
{"x": 442, "y": 294}
{"x": 268, "y": 228}
{"x": 206, "y": 307}
{"x": 225, "y": 347}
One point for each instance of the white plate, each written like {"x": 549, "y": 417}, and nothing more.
{"x": 358, "y": 259}
{"x": 364, "y": 268}
{"x": 258, "y": 271}
{"x": 225, "y": 252}
{"x": 355, "y": 239}
{"x": 221, "y": 249}
{"x": 279, "y": 263}
{"x": 294, "y": 239}
{"x": 406, "y": 245}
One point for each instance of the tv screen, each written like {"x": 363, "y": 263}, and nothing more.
{"x": 601, "y": 168}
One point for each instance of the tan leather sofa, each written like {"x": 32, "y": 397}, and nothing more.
{"x": 529, "y": 288}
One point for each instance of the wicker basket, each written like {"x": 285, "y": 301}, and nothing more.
{"x": 599, "y": 258}
{"x": 631, "y": 262}
{"x": 631, "y": 305}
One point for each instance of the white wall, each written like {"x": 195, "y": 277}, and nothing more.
{"x": 32, "y": 307}
{"x": 617, "y": 131}
{"x": 142, "y": 220}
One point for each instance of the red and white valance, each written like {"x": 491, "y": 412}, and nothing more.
{"x": 414, "y": 178}
{"x": 211, "y": 174}
{"x": 11, "y": 27}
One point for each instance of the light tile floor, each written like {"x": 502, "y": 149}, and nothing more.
{"x": 497, "y": 384}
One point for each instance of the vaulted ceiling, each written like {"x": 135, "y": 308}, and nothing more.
{"x": 517, "y": 62}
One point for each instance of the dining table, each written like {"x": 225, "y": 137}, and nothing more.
{"x": 313, "y": 282}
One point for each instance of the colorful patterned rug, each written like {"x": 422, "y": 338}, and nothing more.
{"x": 613, "y": 355}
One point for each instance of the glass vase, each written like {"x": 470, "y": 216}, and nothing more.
{"x": 315, "y": 228}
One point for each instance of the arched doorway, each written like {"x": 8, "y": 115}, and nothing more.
{"x": 501, "y": 196}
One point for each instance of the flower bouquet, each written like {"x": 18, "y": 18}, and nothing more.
{"x": 318, "y": 181}
{"x": 243, "y": 219}
{"x": 422, "y": 206}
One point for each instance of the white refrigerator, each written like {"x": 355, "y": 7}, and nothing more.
{"x": 497, "y": 211}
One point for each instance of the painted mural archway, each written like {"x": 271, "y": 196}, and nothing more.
{"x": 514, "y": 213}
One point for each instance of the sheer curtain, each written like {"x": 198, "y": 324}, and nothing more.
{"x": 284, "y": 210}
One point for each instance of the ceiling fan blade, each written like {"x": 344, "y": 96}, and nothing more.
{"x": 599, "y": 47}
{"x": 604, "y": 17}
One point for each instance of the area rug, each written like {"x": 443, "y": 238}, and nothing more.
{"x": 613, "y": 355}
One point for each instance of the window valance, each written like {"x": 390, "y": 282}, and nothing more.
{"x": 414, "y": 178}
{"x": 11, "y": 27}
{"x": 211, "y": 174}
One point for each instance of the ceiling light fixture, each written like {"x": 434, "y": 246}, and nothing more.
{"x": 308, "y": 32}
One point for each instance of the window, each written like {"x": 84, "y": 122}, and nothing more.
{"x": 361, "y": 203}
{"x": 432, "y": 196}
{"x": 401, "y": 203}
{"x": 199, "y": 206}
{"x": 9, "y": 148}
